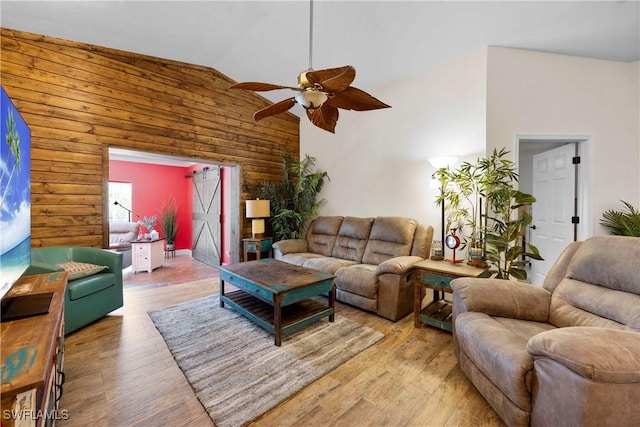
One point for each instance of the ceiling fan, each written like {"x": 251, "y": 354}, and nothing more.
{"x": 320, "y": 92}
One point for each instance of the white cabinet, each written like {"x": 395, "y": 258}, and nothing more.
{"x": 147, "y": 254}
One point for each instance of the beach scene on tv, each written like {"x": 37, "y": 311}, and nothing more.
{"x": 15, "y": 194}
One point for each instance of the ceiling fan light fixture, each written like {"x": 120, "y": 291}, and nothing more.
{"x": 311, "y": 99}
{"x": 315, "y": 88}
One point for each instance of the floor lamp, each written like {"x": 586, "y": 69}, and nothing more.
{"x": 441, "y": 162}
{"x": 257, "y": 210}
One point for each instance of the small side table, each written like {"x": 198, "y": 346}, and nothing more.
{"x": 260, "y": 247}
{"x": 147, "y": 254}
{"x": 437, "y": 275}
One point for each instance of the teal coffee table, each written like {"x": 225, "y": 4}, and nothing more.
{"x": 276, "y": 295}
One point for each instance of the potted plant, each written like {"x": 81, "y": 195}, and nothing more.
{"x": 294, "y": 199}
{"x": 481, "y": 197}
{"x": 623, "y": 222}
{"x": 169, "y": 222}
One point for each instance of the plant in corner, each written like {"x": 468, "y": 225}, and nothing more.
{"x": 294, "y": 199}
{"x": 623, "y": 222}
{"x": 505, "y": 218}
{"x": 481, "y": 196}
{"x": 169, "y": 221}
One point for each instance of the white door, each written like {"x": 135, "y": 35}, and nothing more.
{"x": 554, "y": 188}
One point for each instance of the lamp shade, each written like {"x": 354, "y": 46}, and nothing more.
{"x": 443, "y": 161}
{"x": 258, "y": 209}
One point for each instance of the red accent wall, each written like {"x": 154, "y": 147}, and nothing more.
{"x": 151, "y": 187}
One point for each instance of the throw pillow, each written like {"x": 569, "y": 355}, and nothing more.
{"x": 78, "y": 270}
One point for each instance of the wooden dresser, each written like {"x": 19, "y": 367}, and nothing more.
{"x": 32, "y": 357}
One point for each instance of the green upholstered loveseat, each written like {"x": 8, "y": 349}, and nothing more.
{"x": 87, "y": 298}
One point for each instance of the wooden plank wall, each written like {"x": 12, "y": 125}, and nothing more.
{"x": 81, "y": 99}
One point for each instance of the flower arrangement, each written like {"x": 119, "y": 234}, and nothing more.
{"x": 149, "y": 222}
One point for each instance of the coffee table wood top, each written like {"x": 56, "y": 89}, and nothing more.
{"x": 276, "y": 276}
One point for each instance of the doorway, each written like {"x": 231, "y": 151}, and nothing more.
{"x": 230, "y": 216}
{"x": 555, "y": 170}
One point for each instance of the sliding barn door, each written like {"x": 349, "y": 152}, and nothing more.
{"x": 206, "y": 216}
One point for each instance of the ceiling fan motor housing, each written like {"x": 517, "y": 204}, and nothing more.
{"x": 311, "y": 99}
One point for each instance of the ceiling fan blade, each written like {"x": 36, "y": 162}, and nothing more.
{"x": 333, "y": 79}
{"x": 324, "y": 117}
{"x": 277, "y": 108}
{"x": 355, "y": 99}
{"x": 260, "y": 87}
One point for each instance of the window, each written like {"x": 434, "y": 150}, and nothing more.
{"x": 120, "y": 193}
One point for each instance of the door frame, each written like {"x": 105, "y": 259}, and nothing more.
{"x": 585, "y": 172}
{"x": 230, "y": 202}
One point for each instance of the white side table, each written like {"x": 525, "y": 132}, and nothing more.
{"x": 147, "y": 255}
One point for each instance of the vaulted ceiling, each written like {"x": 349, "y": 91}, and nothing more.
{"x": 385, "y": 41}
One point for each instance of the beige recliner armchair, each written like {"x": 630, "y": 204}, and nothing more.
{"x": 566, "y": 354}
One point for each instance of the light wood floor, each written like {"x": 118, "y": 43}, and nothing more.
{"x": 120, "y": 372}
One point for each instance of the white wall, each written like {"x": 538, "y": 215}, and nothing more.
{"x": 377, "y": 160}
{"x": 537, "y": 93}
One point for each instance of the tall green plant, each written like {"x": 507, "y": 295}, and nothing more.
{"x": 622, "y": 222}
{"x": 507, "y": 220}
{"x": 481, "y": 197}
{"x": 294, "y": 199}
{"x": 169, "y": 220}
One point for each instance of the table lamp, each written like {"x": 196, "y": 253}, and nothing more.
{"x": 257, "y": 210}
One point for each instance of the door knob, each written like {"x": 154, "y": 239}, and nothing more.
{"x": 533, "y": 227}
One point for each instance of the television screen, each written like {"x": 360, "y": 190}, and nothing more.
{"x": 15, "y": 194}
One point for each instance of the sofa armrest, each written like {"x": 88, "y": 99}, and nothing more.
{"x": 398, "y": 265}
{"x": 503, "y": 298}
{"x": 598, "y": 354}
{"x": 291, "y": 246}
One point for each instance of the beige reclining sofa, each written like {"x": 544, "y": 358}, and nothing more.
{"x": 372, "y": 259}
{"x": 566, "y": 354}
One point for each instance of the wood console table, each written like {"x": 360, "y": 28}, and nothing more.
{"x": 437, "y": 275}
{"x": 32, "y": 357}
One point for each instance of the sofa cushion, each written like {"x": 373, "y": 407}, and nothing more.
{"x": 390, "y": 237}
{"x": 327, "y": 265}
{"x": 90, "y": 285}
{"x": 608, "y": 261}
{"x": 577, "y": 303}
{"x": 352, "y": 238}
{"x": 122, "y": 232}
{"x": 359, "y": 279}
{"x": 422, "y": 241}
{"x": 322, "y": 234}
{"x": 498, "y": 348}
{"x": 299, "y": 258}
{"x": 78, "y": 270}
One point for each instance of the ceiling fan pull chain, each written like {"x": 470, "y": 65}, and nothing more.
{"x": 310, "y": 34}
